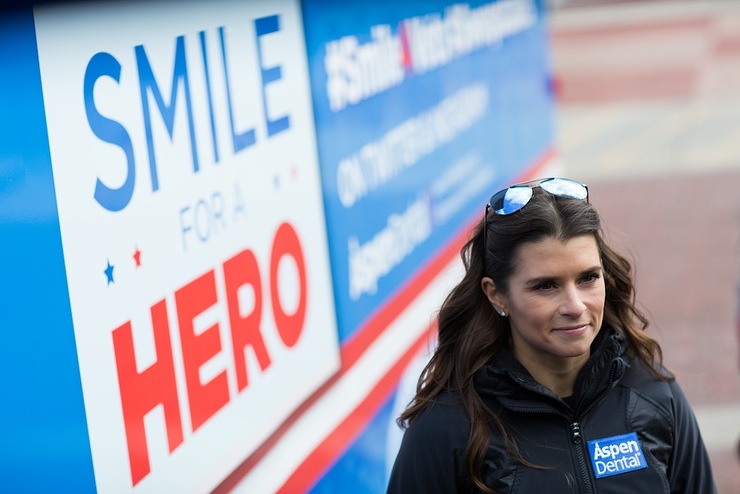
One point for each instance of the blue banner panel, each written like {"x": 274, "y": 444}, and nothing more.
{"x": 45, "y": 437}
{"x": 422, "y": 109}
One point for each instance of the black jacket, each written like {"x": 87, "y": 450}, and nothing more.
{"x": 576, "y": 441}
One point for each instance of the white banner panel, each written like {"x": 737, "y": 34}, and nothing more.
{"x": 187, "y": 180}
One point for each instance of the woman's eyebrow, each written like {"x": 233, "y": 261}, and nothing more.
{"x": 548, "y": 278}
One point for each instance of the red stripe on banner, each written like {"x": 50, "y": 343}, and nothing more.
{"x": 313, "y": 466}
{"x": 360, "y": 341}
{"x": 320, "y": 459}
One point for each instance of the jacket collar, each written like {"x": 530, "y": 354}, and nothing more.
{"x": 508, "y": 382}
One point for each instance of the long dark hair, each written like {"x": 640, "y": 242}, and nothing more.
{"x": 471, "y": 332}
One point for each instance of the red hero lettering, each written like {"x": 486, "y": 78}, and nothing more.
{"x": 142, "y": 391}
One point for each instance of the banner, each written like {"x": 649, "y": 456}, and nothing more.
{"x": 193, "y": 231}
{"x": 229, "y": 225}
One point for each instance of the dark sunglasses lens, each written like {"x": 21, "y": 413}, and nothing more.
{"x": 564, "y": 187}
{"x": 511, "y": 200}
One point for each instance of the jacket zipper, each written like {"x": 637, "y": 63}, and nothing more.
{"x": 577, "y": 438}
{"x": 575, "y": 430}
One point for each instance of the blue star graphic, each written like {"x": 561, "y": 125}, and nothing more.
{"x": 109, "y": 272}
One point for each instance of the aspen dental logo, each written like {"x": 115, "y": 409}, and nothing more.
{"x": 615, "y": 455}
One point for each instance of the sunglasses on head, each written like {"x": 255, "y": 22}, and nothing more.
{"x": 514, "y": 198}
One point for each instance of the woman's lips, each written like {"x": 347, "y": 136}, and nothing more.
{"x": 572, "y": 330}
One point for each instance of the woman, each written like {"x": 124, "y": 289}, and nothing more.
{"x": 544, "y": 379}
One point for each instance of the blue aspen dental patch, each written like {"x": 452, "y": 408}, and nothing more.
{"x": 616, "y": 455}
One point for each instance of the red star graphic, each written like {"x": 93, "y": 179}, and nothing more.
{"x": 137, "y": 257}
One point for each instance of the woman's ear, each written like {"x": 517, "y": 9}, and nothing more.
{"x": 494, "y": 295}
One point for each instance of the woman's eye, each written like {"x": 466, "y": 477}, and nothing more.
{"x": 544, "y": 286}
{"x": 591, "y": 277}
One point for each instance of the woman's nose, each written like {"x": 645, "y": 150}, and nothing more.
{"x": 572, "y": 303}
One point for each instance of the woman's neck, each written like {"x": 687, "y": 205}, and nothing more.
{"x": 557, "y": 374}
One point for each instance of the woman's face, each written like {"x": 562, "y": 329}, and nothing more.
{"x": 555, "y": 300}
